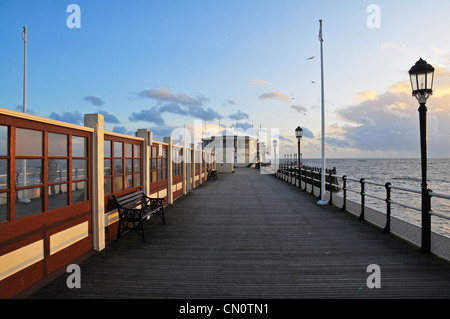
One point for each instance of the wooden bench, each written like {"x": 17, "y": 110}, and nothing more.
{"x": 134, "y": 209}
{"x": 212, "y": 174}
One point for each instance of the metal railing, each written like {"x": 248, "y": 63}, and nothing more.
{"x": 311, "y": 176}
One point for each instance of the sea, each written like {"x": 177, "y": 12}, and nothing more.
{"x": 399, "y": 172}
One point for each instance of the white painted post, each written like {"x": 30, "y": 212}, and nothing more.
{"x": 193, "y": 159}
{"x": 184, "y": 168}
{"x": 96, "y": 121}
{"x": 146, "y": 149}
{"x": 168, "y": 140}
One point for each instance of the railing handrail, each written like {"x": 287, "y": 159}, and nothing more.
{"x": 309, "y": 179}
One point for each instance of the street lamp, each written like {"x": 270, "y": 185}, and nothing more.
{"x": 299, "y": 135}
{"x": 421, "y": 75}
{"x": 275, "y": 143}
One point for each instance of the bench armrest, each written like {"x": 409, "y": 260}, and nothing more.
{"x": 158, "y": 200}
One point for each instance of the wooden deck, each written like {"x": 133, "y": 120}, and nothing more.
{"x": 248, "y": 235}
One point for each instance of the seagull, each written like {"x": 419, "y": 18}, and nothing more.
{"x": 313, "y": 82}
{"x": 311, "y": 58}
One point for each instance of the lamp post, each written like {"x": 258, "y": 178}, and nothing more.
{"x": 275, "y": 143}
{"x": 421, "y": 75}
{"x": 299, "y": 135}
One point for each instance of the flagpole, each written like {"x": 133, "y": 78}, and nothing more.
{"x": 24, "y": 38}
{"x": 322, "y": 200}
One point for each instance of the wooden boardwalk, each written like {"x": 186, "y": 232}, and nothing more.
{"x": 248, "y": 235}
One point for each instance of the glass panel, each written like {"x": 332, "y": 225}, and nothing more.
{"x": 118, "y": 152}
{"x": 159, "y": 175}
{"x": 3, "y": 140}
{"x": 28, "y": 172}
{"x": 4, "y": 180}
{"x": 28, "y": 202}
{"x": 107, "y": 149}
{"x": 108, "y": 185}
{"x": 154, "y": 166}
{"x": 128, "y": 150}
{"x": 154, "y": 177}
{"x": 154, "y": 152}
{"x": 57, "y": 196}
{"x": 128, "y": 181}
{"x": 118, "y": 183}
{"x": 118, "y": 166}
{"x": 430, "y": 80}
{"x": 3, "y": 207}
{"x": 129, "y": 165}
{"x": 57, "y": 144}
{"x": 79, "y": 169}
{"x": 107, "y": 167}
{"x": 164, "y": 152}
{"x": 57, "y": 170}
{"x": 164, "y": 174}
{"x": 421, "y": 81}
{"x": 79, "y": 146}
{"x": 137, "y": 150}
{"x": 137, "y": 180}
{"x": 79, "y": 192}
{"x": 137, "y": 165}
{"x": 164, "y": 163}
{"x": 28, "y": 142}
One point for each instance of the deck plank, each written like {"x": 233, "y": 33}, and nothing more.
{"x": 249, "y": 235}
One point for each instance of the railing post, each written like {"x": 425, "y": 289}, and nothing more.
{"x": 312, "y": 182}
{"x": 344, "y": 190}
{"x": 363, "y": 198}
{"x": 331, "y": 187}
{"x": 387, "y": 228}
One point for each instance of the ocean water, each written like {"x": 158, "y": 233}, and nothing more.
{"x": 399, "y": 172}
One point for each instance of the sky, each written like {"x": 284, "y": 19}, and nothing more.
{"x": 165, "y": 64}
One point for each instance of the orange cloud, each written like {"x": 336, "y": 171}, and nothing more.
{"x": 368, "y": 95}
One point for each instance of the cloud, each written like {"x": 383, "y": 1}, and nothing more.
{"x": 403, "y": 87}
{"x": 394, "y": 46}
{"x": 181, "y": 104}
{"x": 122, "y": 130}
{"x": 231, "y": 102}
{"x": 164, "y": 95}
{"x": 273, "y": 95}
{"x": 109, "y": 118}
{"x": 390, "y": 122}
{"x": 173, "y": 108}
{"x": 207, "y": 114}
{"x": 151, "y": 115}
{"x": 94, "y": 100}
{"x": 299, "y": 108}
{"x": 238, "y": 115}
{"x": 68, "y": 117}
{"x": 259, "y": 82}
{"x": 242, "y": 126}
{"x": 307, "y": 133}
{"x": 19, "y": 108}
{"x": 368, "y": 95}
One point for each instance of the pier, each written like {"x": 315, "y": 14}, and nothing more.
{"x": 252, "y": 235}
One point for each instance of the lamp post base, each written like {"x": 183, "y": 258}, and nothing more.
{"x": 322, "y": 202}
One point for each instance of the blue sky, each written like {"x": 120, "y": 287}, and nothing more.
{"x": 164, "y": 64}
